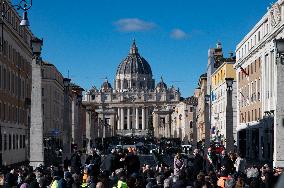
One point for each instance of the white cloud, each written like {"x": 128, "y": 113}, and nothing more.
{"x": 178, "y": 34}
{"x": 133, "y": 24}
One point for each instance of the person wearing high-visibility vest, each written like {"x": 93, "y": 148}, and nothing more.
{"x": 84, "y": 179}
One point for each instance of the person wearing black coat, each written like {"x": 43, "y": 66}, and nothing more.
{"x": 226, "y": 164}
{"x": 110, "y": 164}
{"x": 132, "y": 163}
{"x": 94, "y": 162}
{"x": 11, "y": 179}
{"x": 211, "y": 161}
{"x": 198, "y": 162}
{"x": 76, "y": 162}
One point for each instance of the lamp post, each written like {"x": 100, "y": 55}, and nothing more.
{"x": 207, "y": 122}
{"x": 78, "y": 130}
{"x": 278, "y": 153}
{"x": 23, "y": 5}
{"x": 36, "y": 129}
{"x": 66, "y": 119}
{"x": 229, "y": 143}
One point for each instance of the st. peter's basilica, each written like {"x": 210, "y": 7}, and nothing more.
{"x": 134, "y": 105}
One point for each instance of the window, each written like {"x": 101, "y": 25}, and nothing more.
{"x": 14, "y": 142}
{"x": 255, "y": 65}
{"x": 4, "y": 78}
{"x": 258, "y": 35}
{"x": 42, "y": 91}
{"x": 42, "y": 109}
{"x": 254, "y": 39}
{"x": 0, "y": 76}
{"x": 0, "y": 141}
{"x": 5, "y": 142}
{"x": 17, "y": 141}
{"x": 21, "y": 141}
{"x": 24, "y": 141}
{"x": 190, "y": 125}
{"x": 10, "y": 142}
{"x": 251, "y": 68}
{"x": 248, "y": 116}
{"x": 255, "y": 112}
{"x": 252, "y": 115}
{"x": 259, "y": 113}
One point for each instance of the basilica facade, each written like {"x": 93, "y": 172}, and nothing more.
{"x": 134, "y": 105}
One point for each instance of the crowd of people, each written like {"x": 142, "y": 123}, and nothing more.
{"x": 122, "y": 169}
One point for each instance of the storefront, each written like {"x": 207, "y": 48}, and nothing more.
{"x": 255, "y": 140}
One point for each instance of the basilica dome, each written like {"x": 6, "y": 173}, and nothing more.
{"x": 106, "y": 86}
{"x": 161, "y": 86}
{"x": 134, "y": 63}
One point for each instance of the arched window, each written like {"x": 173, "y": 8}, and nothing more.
{"x": 190, "y": 125}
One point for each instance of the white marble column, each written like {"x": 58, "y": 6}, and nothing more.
{"x": 147, "y": 118}
{"x": 122, "y": 119}
{"x": 128, "y": 118}
{"x": 111, "y": 127}
{"x": 118, "y": 119}
{"x": 143, "y": 118}
{"x": 137, "y": 118}
{"x": 89, "y": 130}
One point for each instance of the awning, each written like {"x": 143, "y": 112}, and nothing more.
{"x": 250, "y": 125}
{"x": 241, "y": 126}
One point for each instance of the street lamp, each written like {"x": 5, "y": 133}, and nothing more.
{"x": 278, "y": 125}
{"x": 36, "y": 129}
{"x": 207, "y": 122}
{"x": 279, "y": 45}
{"x": 229, "y": 82}
{"x": 79, "y": 99}
{"x": 24, "y": 5}
{"x": 229, "y": 116}
{"x": 66, "y": 119}
{"x": 36, "y": 45}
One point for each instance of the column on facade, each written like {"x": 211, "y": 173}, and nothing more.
{"x": 143, "y": 118}
{"x": 147, "y": 118}
{"x": 156, "y": 130}
{"x": 137, "y": 118}
{"x": 167, "y": 126}
{"x": 118, "y": 119}
{"x": 89, "y": 130}
{"x": 122, "y": 119}
{"x": 128, "y": 118}
{"x": 111, "y": 127}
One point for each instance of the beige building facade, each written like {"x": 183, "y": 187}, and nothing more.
{"x": 15, "y": 90}
{"x": 52, "y": 105}
{"x": 183, "y": 118}
{"x": 260, "y": 82}
{"x": 201, "y": 113}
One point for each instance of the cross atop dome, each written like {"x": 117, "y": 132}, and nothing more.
{"x": 133, "y": 49}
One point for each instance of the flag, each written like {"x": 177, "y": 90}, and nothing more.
{"x": 244, "y": 71}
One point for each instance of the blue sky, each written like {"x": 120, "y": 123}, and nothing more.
{"x": 91, "y": 37}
